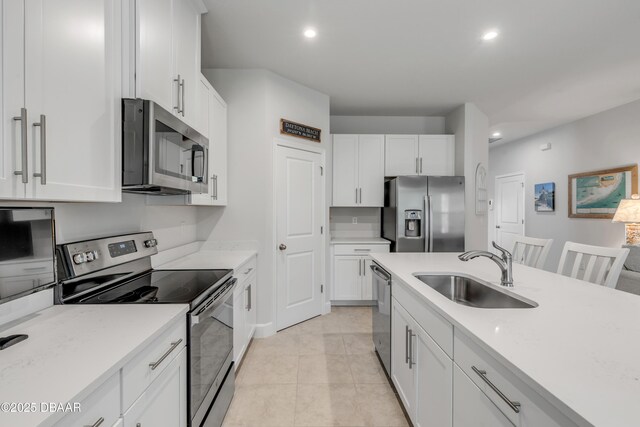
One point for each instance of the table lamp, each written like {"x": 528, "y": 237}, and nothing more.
{"x": 629, "y": 212}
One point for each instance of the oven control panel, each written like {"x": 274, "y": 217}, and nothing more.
{"x": 93, "y": 255}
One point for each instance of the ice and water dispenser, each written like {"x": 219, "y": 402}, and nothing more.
{"x": 413, "y": 223}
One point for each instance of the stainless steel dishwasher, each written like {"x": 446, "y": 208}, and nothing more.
{"x": 381, "y": 317}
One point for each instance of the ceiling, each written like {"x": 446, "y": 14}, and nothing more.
{"x": 554, "y": 61}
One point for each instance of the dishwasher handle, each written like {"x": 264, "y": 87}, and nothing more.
{"x": 381, "y": 273}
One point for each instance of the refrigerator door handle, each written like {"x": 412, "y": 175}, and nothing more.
{"x": 428, "y": 241}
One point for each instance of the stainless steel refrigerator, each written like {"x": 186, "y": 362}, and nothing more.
{"x": 424, "y": 213}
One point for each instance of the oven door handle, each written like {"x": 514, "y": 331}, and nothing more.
{"x": 200, "y": 313}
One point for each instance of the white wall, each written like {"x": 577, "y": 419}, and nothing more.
{"x": 256, "y": 101}
{"x": 172, "y": 225}
{"x": 387, "y": 124}
{"x": 605, "y": 140}
{"x": 471, "y": 127}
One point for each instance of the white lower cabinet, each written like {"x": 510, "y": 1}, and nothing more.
{"x": 471, "y": 390}
{"x": 102, "y": 407}
{"x": 421, "y": 372}
{"x": 471, "y": 407}
{"x": 164, "y": 403}
{"x": 244, "y": 309}
{"x": 351, "y": 272}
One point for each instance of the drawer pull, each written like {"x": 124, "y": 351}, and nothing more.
{"x": 362, "y": 250}
{"x": 97, "y": 423}
{"x": 174, "y": 345}
{"x": 249, "y": 270}
{"x": 515, "y": 406}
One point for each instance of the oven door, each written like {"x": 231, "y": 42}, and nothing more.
{"x": 210, "y": 350}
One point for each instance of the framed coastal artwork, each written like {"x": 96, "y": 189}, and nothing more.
{"x": 597, "y": 194}
{"x": 545, "y": 197}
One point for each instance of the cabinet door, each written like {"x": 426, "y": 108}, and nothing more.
{"x": 347, "y": 282}
{"x": 164, "y": 403}
{"x": 345, "y": 170}
{"x": 371, "y": 170}
{"x": 401, "y": 155}
{"x": 186, "y": 49}
{"x": 437, "y": 155}
{"x": 73, "y": 75}
{"x": 204, "y": 118}
{"x": 154, "y": 57}
{"x": 434, "y": 381}
{"x": 11, "y": 98}
{"x": 218, "y": 149}
{"x": 402, "y": 372}
{"x": 471, "y": 407}
{"x": 368, "y": 290}
{"x": 250, "y": 307}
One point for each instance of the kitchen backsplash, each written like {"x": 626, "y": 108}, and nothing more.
{"x": 367, "y": 222}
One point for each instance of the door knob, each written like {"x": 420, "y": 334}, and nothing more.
{"x": 497, "y": 226}
{"x": 282, "y": 247}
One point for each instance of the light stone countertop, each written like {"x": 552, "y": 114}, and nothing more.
{"x": 359, "y": 241}
{"x": 72, "y": 350}
{"x": 209, "y": 259}
{"x": 580, "y": 348}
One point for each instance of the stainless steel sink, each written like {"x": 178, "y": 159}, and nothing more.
{"x": 472, "y": 292}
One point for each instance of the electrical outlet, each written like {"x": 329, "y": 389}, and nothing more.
{"x": 354, "y": 220}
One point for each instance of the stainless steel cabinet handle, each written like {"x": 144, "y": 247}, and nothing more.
{"x": 182, "y": 88}
{"x": 359, "y": 268}
{"x": 406, "y": 344}
{"x": 420, "y": 164}
{"x": 417, "y": 170}
{"x": 249, "y": 270}
{"x": 248, "y": 307}
{"x": 282, "y": 247}
{"x": 515, "y": 406}
{"x": 97, "y": 423}
{"x": 362, "y": 250}
{"x": 177, "y": 108}
{"x": 174, "y": 345}
{"x": 23, "y": 145}
{"x": 411, "y": 335}
{"x": 360, "y": 190}
{"x": 43, "y": 149}
{"x": 356, "y": 195}
{"x": 214, "y": 183}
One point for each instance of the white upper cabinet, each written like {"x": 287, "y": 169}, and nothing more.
{"x": 12, "y": 149}
{"x": 401, "y": 155}
{"x": 345, "y": 170}
{"x": 358, "y": 170}
{"x": 419, "y": 155}
{"x": 213, "y": 122}
{"x": 63, "y": 134}
{"x": 437, "y": 155}
{"x": 168, "y": 56}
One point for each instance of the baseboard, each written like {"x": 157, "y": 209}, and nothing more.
{"x": 347, "y": 303}
{"x": 264, "y": 330}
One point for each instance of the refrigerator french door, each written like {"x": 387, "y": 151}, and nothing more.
{"x": 424, "y": 214}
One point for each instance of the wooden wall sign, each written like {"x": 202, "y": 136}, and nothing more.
{"x": 299, "y": 131}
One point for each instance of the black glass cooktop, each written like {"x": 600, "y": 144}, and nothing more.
{"x": 160, "y": 286}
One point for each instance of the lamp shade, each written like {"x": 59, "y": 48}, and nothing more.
{"x": 628, "y": 210}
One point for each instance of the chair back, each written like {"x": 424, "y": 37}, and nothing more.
{"x": 531, "y": 251}
{"x": 594, "y": 264}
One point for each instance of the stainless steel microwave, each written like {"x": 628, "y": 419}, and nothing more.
{"x": 161, "y": 154}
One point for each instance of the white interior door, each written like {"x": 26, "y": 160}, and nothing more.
{"x": 299, "y": 210}
{"x": 509, "y": 209}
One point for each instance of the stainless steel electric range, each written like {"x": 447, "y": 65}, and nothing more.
{"x": 117, "y": 270}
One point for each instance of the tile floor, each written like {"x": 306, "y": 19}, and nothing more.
{"x": 322, "y": 372}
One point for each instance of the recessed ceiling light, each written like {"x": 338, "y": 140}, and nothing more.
{"x": 490, "y": 35}
{"x": 496, "y": 134}
{"x": 310, "y": 33}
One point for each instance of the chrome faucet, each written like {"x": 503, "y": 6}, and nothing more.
{"x": 505, "y": 262}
